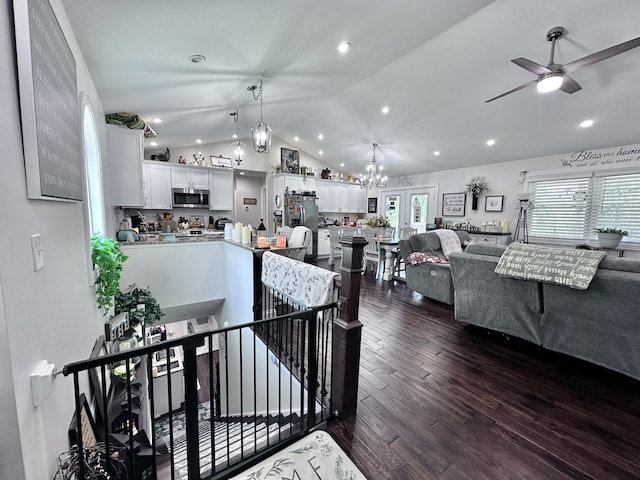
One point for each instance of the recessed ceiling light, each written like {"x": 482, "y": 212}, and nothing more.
{"x": 436, "y": 153}
{"x": 385, "y": 109}
{"x": 586, "y": 123}
{"x": 234, "y": 136}
{"x": 296, "y": 139}
{"x": 491, "y": 141}
{"x": 157, "y": 120}
{"x": 198, "y": 140}
{"x": 154, "y": 144}
{"x": 320, "y": 152}
{"x": 344, "y": 47}
{"x": 241, "y": 173}
{"x": 197, "y": 58}
{"x": 342, "y": 164}
{"x": 320, "y": 136}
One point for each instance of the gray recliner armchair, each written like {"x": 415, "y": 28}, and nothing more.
{"x": 433, "y": 280}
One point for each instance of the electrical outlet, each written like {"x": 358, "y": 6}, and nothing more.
{"x": 37, "y": 251}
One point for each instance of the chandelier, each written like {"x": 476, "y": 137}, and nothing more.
{"x": 260, "y": 132}
{"x": 240, "y": 147}
{"x": 373, "y": 177}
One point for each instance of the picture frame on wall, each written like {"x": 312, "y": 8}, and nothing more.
{"x": 290, "y": 161}
{"x": 493, "y": 203}
{"x": 453, "y": 204}
{"x": 372, "y": 205}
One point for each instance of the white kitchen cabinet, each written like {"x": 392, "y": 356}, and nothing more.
{"x": 126, "y": 151}
{"x": 339, "y": 201}
{"x": 189, "y": 177}
{"x": 220, "y": 190}
{"x": 323, "y": 192}
{"x": 158, "y": 186}
{"x": 356, "y": 199}
{"x": 323, "y": 242}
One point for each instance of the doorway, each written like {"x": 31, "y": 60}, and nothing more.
{"x": 411, "y": 207}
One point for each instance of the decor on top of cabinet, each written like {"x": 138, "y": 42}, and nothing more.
{"x": 163, "y": 157}
{"x": 182, "y": 160}
{"x": 289, "y": 160}
{"x": 107, "y": 261}
{"x": 198, "y": 158}
{"x": 476, "y": 186}
{"x": 220, "y": 161}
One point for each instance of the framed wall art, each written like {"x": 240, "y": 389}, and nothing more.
{"x": 290, "y": 162}
{"x": 493, "y": 203}
{"x": 453, "y": 204}
{"x": 220, "y": 161}
{"x": 372, "y": 205}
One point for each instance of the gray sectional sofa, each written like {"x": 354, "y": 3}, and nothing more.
{"x": 433, "y": 280}
{"x": 600, "y": 324}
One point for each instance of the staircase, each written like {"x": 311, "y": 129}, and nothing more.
{"x": 234, "y": 439}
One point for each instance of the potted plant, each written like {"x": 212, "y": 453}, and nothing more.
{"x": 610, "y": 237}
{"x": 377, "y": 222}
{"x": 476, "y": 186}
{"x": 142, "y": 307}
{"x": 107, "y": 261}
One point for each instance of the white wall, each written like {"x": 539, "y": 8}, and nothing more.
{"x": 504, "y": 178}
{"x": 249, "y": 187}
{"x": 49, "y": 314}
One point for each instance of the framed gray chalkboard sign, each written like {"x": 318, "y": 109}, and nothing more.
{"x": 48, "y": 104}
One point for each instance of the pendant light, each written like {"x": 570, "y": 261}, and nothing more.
{"x": 238, "y": 151}
{"x": 260, "y": 132}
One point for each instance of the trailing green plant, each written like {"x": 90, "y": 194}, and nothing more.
{"x": 377, "y": 222}
{"x": 615, "y": 230}
{"x": 477, "y": 185}
{"x": 107, "y": 259}
{"x": 143, "y": 308}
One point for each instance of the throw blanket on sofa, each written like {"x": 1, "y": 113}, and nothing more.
{"x": 449, "y": 241}
{"x": 307, "y": 285}
{"x": 572, "y": 268}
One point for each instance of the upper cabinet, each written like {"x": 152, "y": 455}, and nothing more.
{"x": 332, "y": 196}
{"x": 126, "y": 152}
{"x": 220, "y": 190}
{"x": 189, "y": 177}
{"x": 157, "y": 183}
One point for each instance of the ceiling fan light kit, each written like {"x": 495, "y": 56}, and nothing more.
{"x": 555, "y": 76}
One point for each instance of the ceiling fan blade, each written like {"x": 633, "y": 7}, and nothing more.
{"x": 569, "y": 85}
{"x": 601, "y": 55}
{"x": 533, "y": 67}
{"x": 513, "y": 90}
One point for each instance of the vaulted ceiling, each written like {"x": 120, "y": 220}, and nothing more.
{"x": 432, "y": 62}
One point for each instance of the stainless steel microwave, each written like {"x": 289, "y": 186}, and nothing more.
{"x": 190, "y": 198}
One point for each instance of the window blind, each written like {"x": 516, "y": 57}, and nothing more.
{"x": 571, "y": 208}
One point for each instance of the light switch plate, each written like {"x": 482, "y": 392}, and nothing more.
{"x": 37, "y": 251}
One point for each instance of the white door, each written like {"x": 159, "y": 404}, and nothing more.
{"x": 414, "y": 207}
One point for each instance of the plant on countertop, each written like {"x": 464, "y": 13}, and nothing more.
{"x": 107, "y": 259}
{"x": 614, "y": 230}
{"x": 143, "y": 308}
{"x": 377, "y": 222}
{"x": 476, "y": 186}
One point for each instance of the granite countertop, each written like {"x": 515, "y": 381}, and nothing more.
{"x": 156, "y": 239}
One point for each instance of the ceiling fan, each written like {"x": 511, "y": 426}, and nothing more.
{"x": 555, "y": 76}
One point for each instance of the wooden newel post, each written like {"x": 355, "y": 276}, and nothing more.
{"x": 347, "y": 330}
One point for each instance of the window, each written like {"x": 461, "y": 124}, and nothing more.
{"x": 571, "y": 207}
{"x": 93, "y": 169}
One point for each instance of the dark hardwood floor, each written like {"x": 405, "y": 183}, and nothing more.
{"x": 442, "y": 400}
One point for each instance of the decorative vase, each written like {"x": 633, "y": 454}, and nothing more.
{"x": 609, "y": 240}
{"x": 474, "y": 201}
